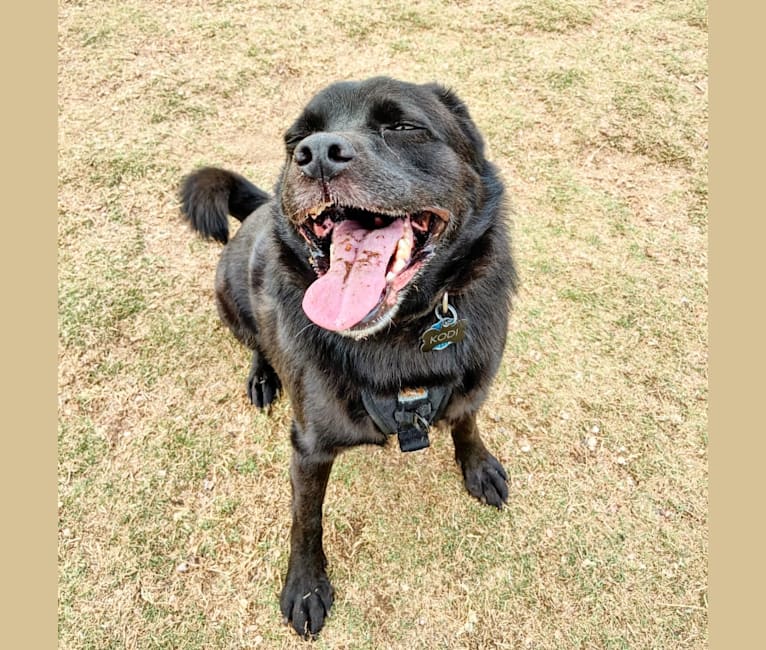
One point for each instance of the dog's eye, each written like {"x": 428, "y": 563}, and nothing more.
{"x": 404, "y": 126}
{"x": 404, "y": 133}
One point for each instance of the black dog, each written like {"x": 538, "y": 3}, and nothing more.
{"x": 375, "y": 287}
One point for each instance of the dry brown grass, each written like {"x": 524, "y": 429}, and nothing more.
{"x": 596, "y": 113}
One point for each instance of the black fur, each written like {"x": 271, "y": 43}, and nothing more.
{"x": 210, "y": 194}
{"x": 412, "y": 146}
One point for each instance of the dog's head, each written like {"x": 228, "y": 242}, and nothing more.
{"x": 381, "y": 177}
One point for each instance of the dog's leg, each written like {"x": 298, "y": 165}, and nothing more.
{"x": 307, "y": 595}
{"x": 263, "y": 383}
{"x": 483, "y": 475}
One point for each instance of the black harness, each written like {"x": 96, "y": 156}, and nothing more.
{"x": 409, "y": 414}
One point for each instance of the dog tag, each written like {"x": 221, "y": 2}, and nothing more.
{"x": 444, "y": 332}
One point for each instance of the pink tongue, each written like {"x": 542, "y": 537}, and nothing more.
{"x": 352, "y": 287}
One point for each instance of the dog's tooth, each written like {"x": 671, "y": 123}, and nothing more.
{"x": 398, "y": 265}
{"x": 390, "y": 277}
{"x": 403, "y": 249}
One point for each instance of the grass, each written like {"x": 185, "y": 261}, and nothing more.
{"x": 173, "y": 491}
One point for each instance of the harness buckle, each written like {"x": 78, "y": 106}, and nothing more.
{"x": 409, "y": 413}
{"x": 413, "y": 416}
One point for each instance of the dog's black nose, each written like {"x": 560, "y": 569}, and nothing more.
{"x": 323, "y": 155}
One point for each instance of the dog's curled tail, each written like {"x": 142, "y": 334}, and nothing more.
{"x": 209, "y": 194}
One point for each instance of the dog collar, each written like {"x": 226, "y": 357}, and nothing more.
{"x": 409, "y": 414}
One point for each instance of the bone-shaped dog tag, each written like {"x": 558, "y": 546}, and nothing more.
{"x": 444, "y": 332}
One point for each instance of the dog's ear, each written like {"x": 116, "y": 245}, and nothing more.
{"x": 458, "y": 108}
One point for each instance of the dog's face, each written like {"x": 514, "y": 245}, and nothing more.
{"x": 380, "y": 177}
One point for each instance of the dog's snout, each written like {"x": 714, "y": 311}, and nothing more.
{"x": 323, "y": 155}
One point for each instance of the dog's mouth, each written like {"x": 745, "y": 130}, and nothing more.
{"x": 364, "y": 260}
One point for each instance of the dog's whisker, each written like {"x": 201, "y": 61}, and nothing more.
{"x": 310, "y": 325}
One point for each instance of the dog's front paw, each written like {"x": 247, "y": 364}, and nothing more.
{"x": 306, "y": 602}
{"x": 263, "y": 383}
{"x": 485, "y": 479}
